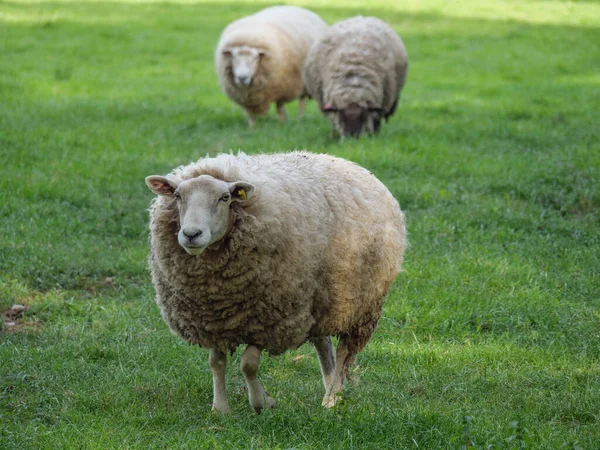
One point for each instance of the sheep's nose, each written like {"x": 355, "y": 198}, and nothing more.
{"x": 243, "y": 79}
{"x": 192, "y": 234}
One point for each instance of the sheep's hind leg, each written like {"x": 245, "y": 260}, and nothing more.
{"x": 218, "y": 363}
{"x": 281, "y": 111}
{"x": 259, "y": 398}
{"x": 343, "y": 360}
{"x": 324, "y": 349}
{"x": 301, "y": 107}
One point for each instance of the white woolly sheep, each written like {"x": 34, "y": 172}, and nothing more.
{"x": 356, "y": 72}
{"x": 272, "y": 251}
{"x": 259, "y": 58}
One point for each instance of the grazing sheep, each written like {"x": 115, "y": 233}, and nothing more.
{"x": 271, "y": 251}
{"x": 259, "y": 58}
{"x": 356, "y": 72}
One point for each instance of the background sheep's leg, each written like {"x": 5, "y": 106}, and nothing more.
{"x": 324, "y": 349}
{"x": 259, "y": 398}
{"x": 281, "y": 111}
{"x": 333, "y": 133}
{"x": 251, "y": 118}
{"x": 218, "y": 363}
{"x": 301, "y": 107}
{"x": 343, "y": 359}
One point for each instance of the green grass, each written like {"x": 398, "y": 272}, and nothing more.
{"x": 491, "y": 336}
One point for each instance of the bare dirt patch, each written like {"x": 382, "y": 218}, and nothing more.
{"x": 13, "y": 319}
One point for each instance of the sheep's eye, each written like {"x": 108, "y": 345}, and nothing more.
{"x": 225, "y": 197}
{"x": 177, "y": 195}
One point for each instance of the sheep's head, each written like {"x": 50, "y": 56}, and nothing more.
{"x": 204, "y": 205}
{"x": 245, "y": 62}
{"x": 354, "y": 119}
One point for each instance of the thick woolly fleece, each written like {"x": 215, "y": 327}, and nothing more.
{"x": 359, "y": 60}
{"x": 286, "y": 33}
{"x": 313, "y": 253}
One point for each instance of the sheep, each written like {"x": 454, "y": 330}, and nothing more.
{"x": 259, "y": 58}
{"x": 356, "y": 72}
{"x": 272, "y": 251}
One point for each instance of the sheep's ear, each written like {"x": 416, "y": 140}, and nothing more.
{"x": 329, "y": 108}
{"x": 161, "y": 185}
{"x": 241, "y": 191}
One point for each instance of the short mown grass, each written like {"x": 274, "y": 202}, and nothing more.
{"x": 490, "y": 337}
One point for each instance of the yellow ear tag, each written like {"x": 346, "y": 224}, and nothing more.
{"x": 242, "y": 194}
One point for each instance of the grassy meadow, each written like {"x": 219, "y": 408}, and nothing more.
{"x": 490, "y": 338}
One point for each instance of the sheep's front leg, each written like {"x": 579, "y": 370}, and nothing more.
{"x": 324, "y": 349}
{"x": 251, "y": 118}
{"x": 259, "y": 398}
{"x": 218, "y": 364}
{"x": 281, "y": 111}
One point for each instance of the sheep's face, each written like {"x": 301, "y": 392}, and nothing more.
{"x": 244, "y": 63}
{"x": 204, "y": 205}
{"x": 353, "y": 120}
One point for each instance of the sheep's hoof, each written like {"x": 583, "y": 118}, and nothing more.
{"x": 330, "y": 400}
{"x": 221, "y": 409}
{"x": 268, "y": 403}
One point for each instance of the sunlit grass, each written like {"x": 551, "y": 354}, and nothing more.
{"x": 563, "y": 12}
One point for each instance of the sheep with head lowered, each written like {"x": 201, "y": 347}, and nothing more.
{"x": 356, "y": 72}
{"x": 259, "y": 58}
{"x": 271, "y": 251}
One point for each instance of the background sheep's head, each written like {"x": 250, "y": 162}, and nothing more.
{"x": 354, "y": 119}
{"x": 204, "y": 205}
{"x": 243, "y": 62}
